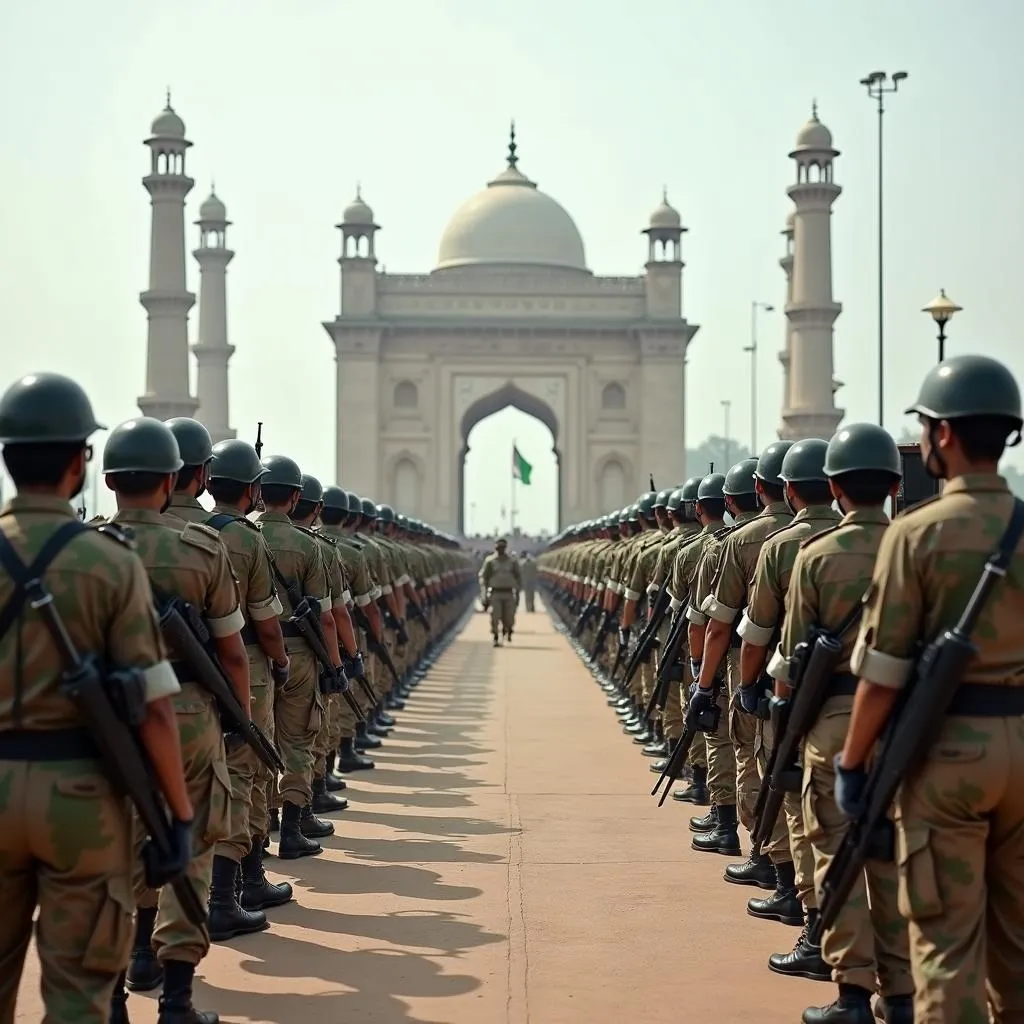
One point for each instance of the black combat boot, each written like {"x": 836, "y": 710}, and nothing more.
{"x": 723, "y": 838}
{"x": 293, "y": 844}
{"x": 258, "y": 892}
{"x": 659, "y": 766}
{"x": 783, "y": 904}
{"x": 335, "y": 782}
{"x": 755, "y": 870}
{"x": 313, "y": 827}
{"x": 898, "y": 1009}
{"x": 349, "y": 758}
{"x": 175, "y": 1005}
{"x": 497, "y": 642}
{"x": 119, "y": 1003}
{"x": 804, "y": 960}
{"x": 697, "y": 791}
{"x": 394, "y": 702}
{"x": 508, "y": 636}
{"x": 706, "y": 822}
{"x": 658, "y": 747}
{"x": 643, "y": 735}
{"x": 363, "y": 740}
{"x": 275, "y": 820}
{"x": 324, "y": 801}
{"x": 144, "y": 971}
{"x": 384, "y": 718}
{"x": 227, "y": 918}
{"x": 374, "y": 727}
{"x": 852, "y": 1007}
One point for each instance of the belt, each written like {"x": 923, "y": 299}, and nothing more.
{"x": 842, "y": 684}
{"x": 71, "y": 744}
{"x": 985, "y": 700}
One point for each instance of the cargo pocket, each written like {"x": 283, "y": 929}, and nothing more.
{"x": 316, "y": 713}
{"x": 918, "y": 895}
{"x": 218, "y": 820}
{"x": 813, "y": 829}
{"x": 110, "y": 943}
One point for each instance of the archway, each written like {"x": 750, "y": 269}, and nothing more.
{"x": 490, "y": 428}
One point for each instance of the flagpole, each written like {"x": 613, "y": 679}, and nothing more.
{"x": 512, "y": 509}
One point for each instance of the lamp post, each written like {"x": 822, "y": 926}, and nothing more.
{"x": 941, "y": 310}
{"x": 879, "y": 85}
{"x": 752, "y": 349}
{"x": 726, "y": 406}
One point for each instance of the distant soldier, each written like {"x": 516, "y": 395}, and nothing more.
{"x": 65, "y": 837}
{"x": 500, "y": 583}
{"x": 528, "y": 570}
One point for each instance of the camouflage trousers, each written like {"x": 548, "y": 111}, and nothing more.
{"x": 721, "y": 754}
{"x": 959, "y": 848}
{"x": 322, "y": 741}
{"x": 503, "y": 611}
{"x": 66, "y": 847}
{"x": 743, "y": 733}
{"x": 869, "y": 938}
{"x": 264, "y": 786}
{"x": 298, "y": 713}
{"x": 175, "y": 937}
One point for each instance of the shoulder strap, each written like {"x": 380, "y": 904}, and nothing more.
{"x": 23, "y": 574}
{"x": 220, "y": 520}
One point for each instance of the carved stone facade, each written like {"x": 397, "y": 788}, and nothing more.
{"x": 423, "y": 358}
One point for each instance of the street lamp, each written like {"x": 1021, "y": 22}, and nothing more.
{"x": 726, "y": 406}
{"x": 942, "y": 310}
{"x": 879, "y": 85}
{"x": 752, "y": 349}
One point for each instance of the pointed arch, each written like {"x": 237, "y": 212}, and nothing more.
{"x": 503, "y": 397}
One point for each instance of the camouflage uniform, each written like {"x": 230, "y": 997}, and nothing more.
{"x": 500, "y": 578}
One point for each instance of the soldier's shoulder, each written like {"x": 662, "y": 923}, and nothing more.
{"x": 923, "y": 512}
{"x": 114, "y": 533}
{"x": 821, "y": 537}
{"x": 203, "y": 537}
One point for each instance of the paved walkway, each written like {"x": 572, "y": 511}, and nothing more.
{"x": 503, "y": 864}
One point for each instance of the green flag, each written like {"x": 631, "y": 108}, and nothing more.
{"x": 521, "y": 469}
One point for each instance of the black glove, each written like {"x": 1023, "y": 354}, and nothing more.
{"x": 159, "y": 869}
{"x": 400, "y": 633}
{"x": 749, "y": 698}
{"x": 849, "y": 788}
{"x": 354, "y": 665}
{"x": 700, "y": 701}
{"x": 279, "y": 673}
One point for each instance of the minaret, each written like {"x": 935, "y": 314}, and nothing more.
{"x": 167, "y": 300}
{"x": 786, "y": 262}
{"x": 212, "y": 349}
{"x": 811, "y": 311}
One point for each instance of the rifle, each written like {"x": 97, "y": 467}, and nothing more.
{"x": 619, "y": 654}
{"x": 258, "y": 446}
{"x": 646, "y": 640}
{"x": 187, "y": 636}
{"x": 666, "y": 673}
{"x": 112, "y": 718}
{"x": 706, "y": 721}
{"x": 351, "y": 666}
{"x": 603, "y": 630}
{"x": 585, "y": 616}
{"x": 418, "y": 613}
{"x": 375, "y": 646}
{"x": 306, "y": 620}
{"x": 913, "y": 729}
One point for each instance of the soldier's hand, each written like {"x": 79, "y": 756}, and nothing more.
{"x": 356, "y": 665}
{"x": 159, "y": 869}
{"x": 279, "y": 672}
{"x": 749, "y": 697}
{"x": 400, "y": 633}
{"x": 850, "y": 786}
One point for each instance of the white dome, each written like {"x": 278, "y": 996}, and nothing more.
{"x": 213, "y": 208}
{"x": 358, "y": 212}
{"x": 167, "y": 124}
{"x": 814, "y": 135}
{"x": 665, "y": 215}
{"x": 511, "y": 222}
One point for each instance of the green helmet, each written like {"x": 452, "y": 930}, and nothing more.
{"x": 769, "y": 465}
{"x": 645, "y": 504}
{"x": 633, "y": 513}
{"x": 282, "y": 472}
{"x": 369, "y": 509}
{"x": 46, "y": 408}
{"x": 335, "y": 498}
{"x": 739, "y": 479}
{"x": 862, "y": 446}
{"x": 805, "y": 461}
{"x": 235, "y": 460}
{"x": 142, "y": 445}
{"x": 713, "y": 485}
{"x": 675, "y": 501}
{"x": 386, "y": 514}
{"x": 355, "y": 504}
{"x": 312, "y": 489}
{"x": 690, "y": 489}
{"x": 194, "y": 442}
{"x": 968, "y": 386}
{"x": 661, "y": 501}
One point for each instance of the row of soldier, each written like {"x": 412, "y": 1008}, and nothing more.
{"x": 820, "y": 672}
{"x": 292, "y": 635}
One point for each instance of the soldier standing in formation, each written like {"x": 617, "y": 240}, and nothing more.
{"x": 528, "y": 570}
{"x": 936, "y": 931}
{"x": 240, "y": 583}
{"x": 500, "y": 583}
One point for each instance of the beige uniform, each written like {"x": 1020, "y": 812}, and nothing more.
{"x": 500, "y": 578}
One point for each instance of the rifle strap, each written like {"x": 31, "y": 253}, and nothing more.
{"x": 220, "y": 520}
{"x": 23, "y": 576}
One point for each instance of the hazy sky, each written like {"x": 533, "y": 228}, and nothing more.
{"x": 288, "y": 105}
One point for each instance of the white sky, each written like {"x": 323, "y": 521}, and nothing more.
{"x": 288, "y": 105}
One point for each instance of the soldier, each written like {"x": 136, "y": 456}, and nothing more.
{"x": 500, "y": 581}
{"x": 959, "y": 813}
{"x": 722, "y": 606}
{"x": 788, "y": 854}
{"x": 185, "y": 561}
{"x": 53, "y": 782}
{"x": 718, "y": 826}
{"x": 828, "y": 579}
{"x": 299, "y": 707}
{"x": 234, "y": 481}
{"x": 227, "y": 916}
{"x": 528, "y": 570}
